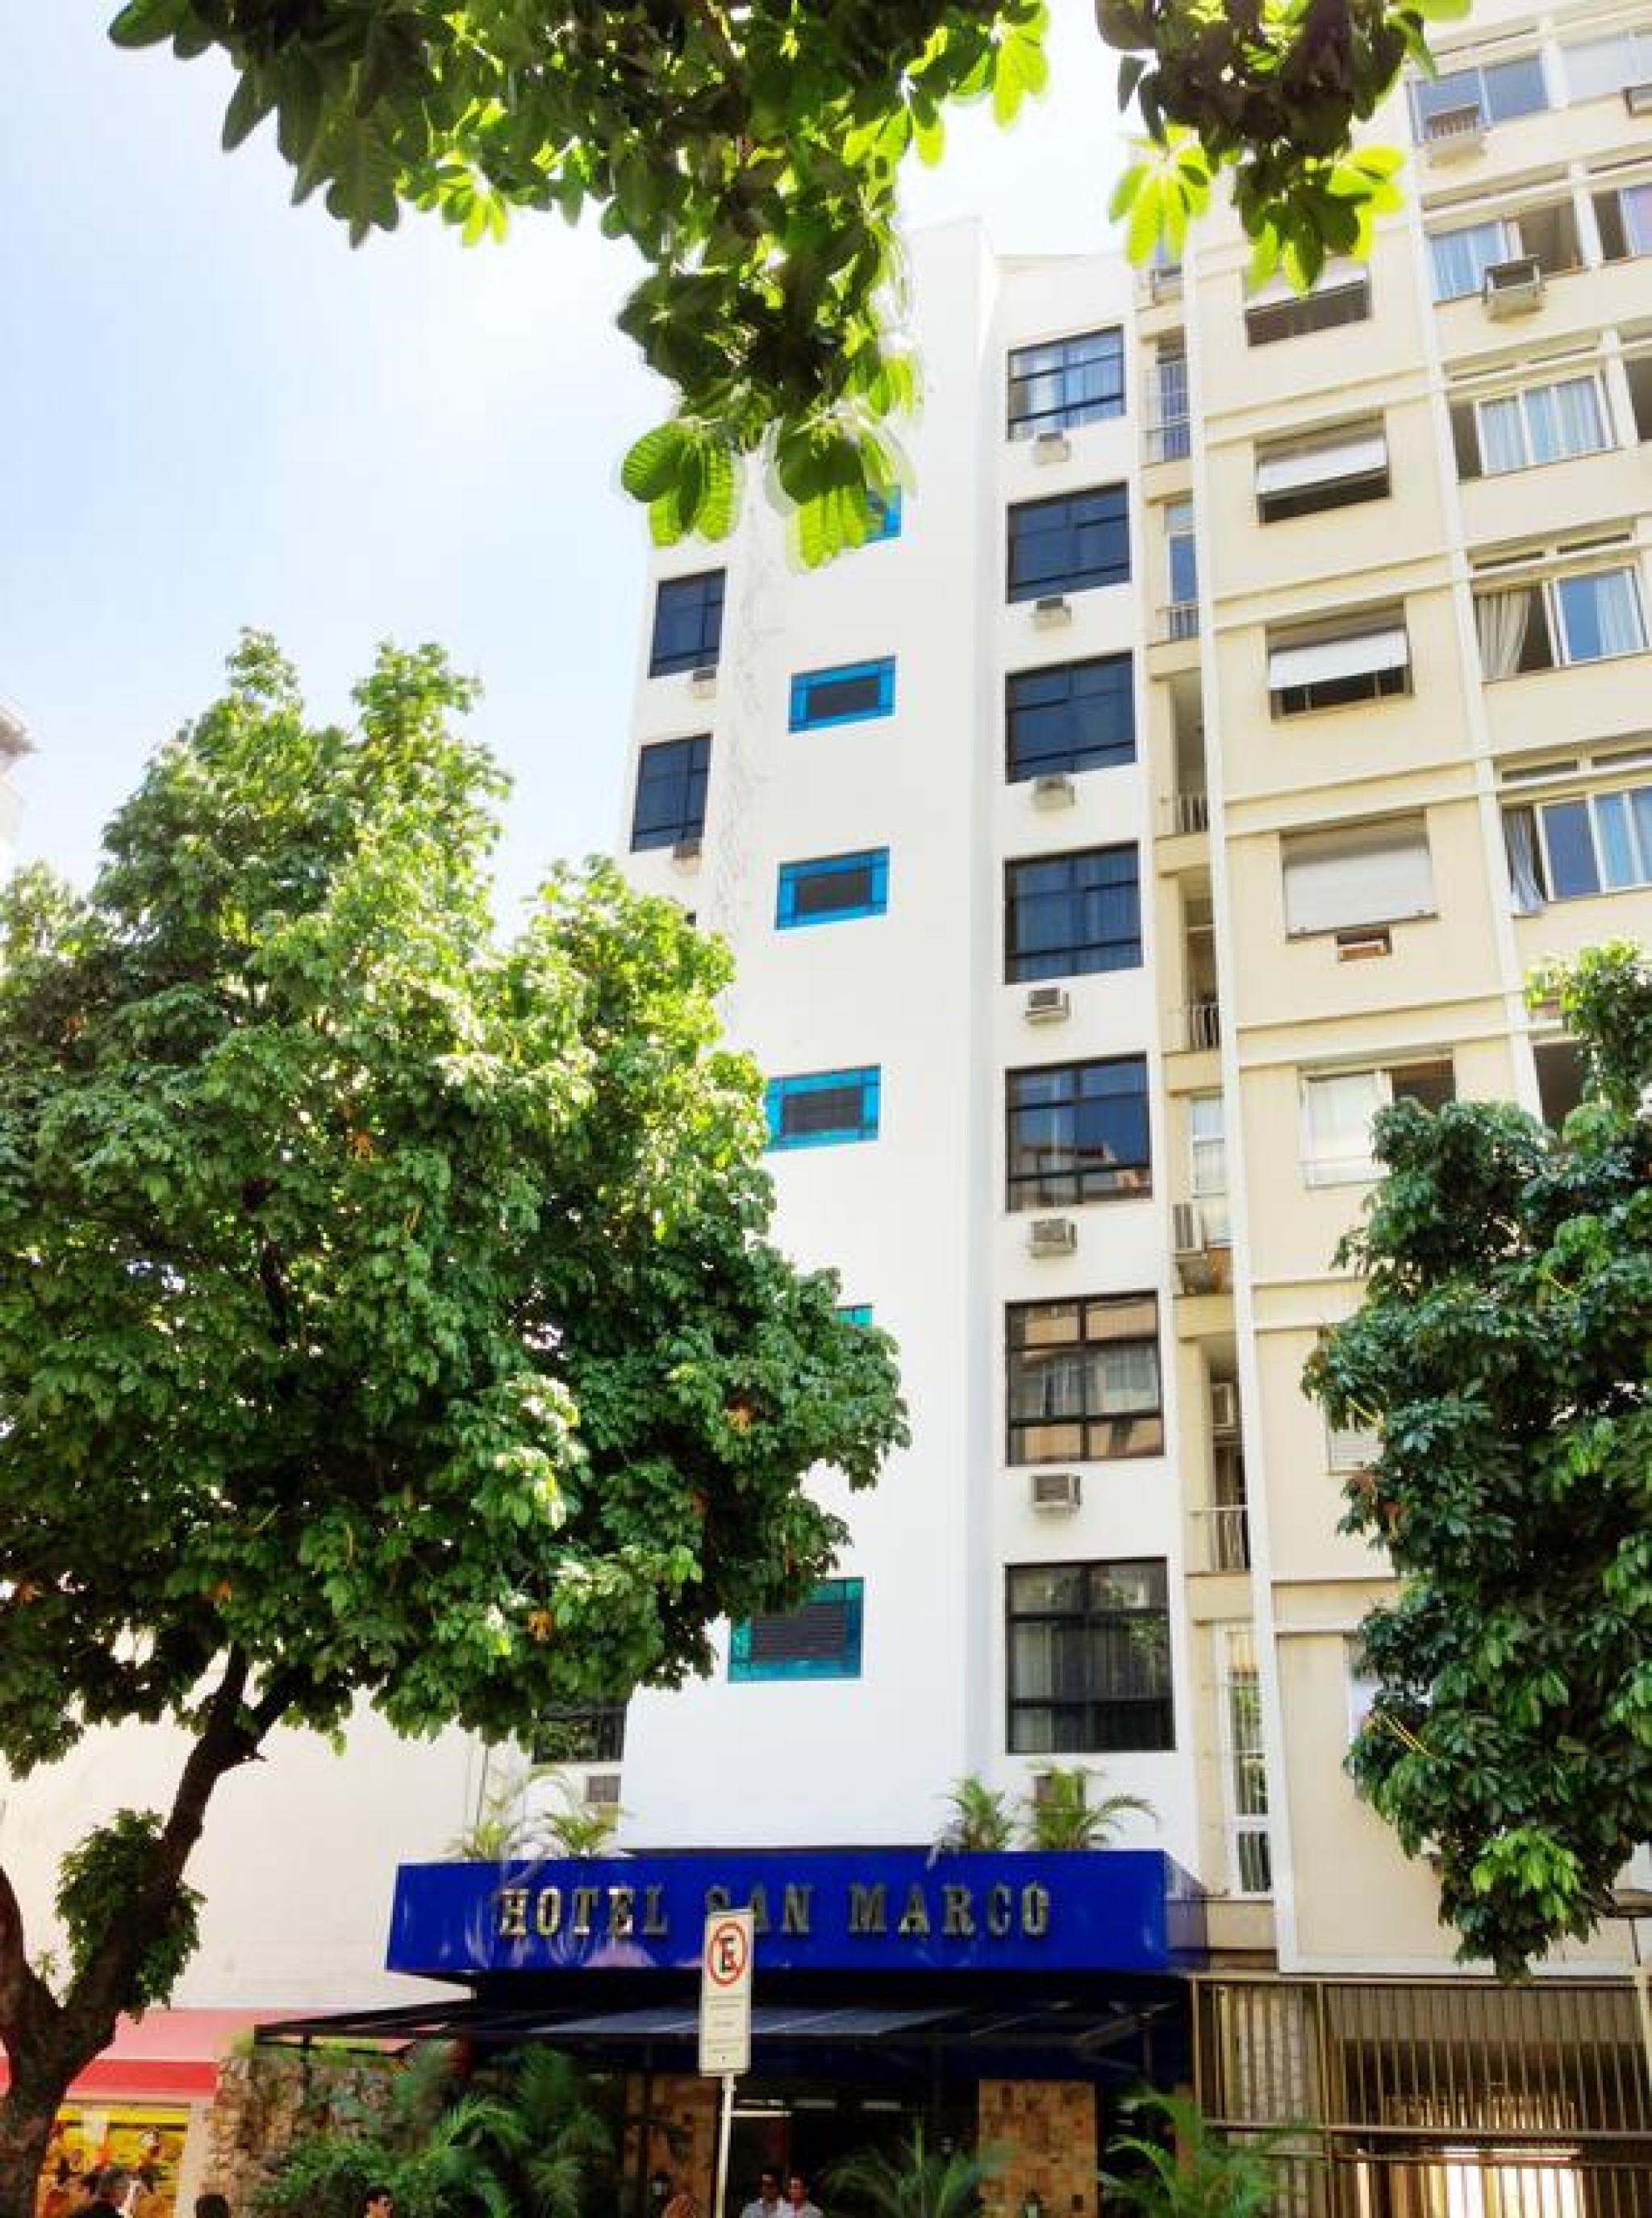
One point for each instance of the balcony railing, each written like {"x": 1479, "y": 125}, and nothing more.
{"x": 1201, "y": 1026}
{"x": 1187, "y": 812}
{"x": 1226, "y": 1528}
{"x": 1170, "y": 440}
{"x": 1179, "y": 620}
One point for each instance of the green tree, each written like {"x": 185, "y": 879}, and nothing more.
{"x": 981, "y": 1818}
{"x": 750, "y": 154}
{"x": 1061, "y": 1815}
{"x": 1176, "y": 2167}
{"x": 386, "y": 1314}
{"x": 1504, "y": 1348}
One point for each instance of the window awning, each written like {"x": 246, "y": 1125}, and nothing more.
{"x": 1354, "y": 655}
{"x": 164, "y": 2055}
{"x": 1326, "y": 461}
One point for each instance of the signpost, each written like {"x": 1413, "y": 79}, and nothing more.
{"x": 725, "y": 2021}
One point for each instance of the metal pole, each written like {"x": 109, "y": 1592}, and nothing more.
{"x": 720, "y": 2184}
{"x": 1643, "y": 2004}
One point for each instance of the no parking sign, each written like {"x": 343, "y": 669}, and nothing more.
{"x": 725, "y": 1994}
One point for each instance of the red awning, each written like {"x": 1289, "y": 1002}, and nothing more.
{"x": 165, "y": 2055}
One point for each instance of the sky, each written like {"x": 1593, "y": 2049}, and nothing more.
{"x": 216, "y": 414}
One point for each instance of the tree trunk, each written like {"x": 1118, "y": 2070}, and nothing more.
{"x": 26, "y": 2114}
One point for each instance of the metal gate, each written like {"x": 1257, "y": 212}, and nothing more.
{"x": 1433, "y": 2098}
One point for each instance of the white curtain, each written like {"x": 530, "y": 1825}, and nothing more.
{"x": 1637, "y": 203}
{"x": 1502, "y": 436}
{"x": 1564, "y": 419}
{"x": 1461, "y": 257}
{"x": 1601, "y": 615}
{"x": 1501, "y": 619}
{"x": 1339, "y": 1109}
{"x": 1520, "y": 838}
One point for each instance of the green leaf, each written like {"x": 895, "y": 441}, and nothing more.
{"x": 147, "y": 22}
{"x": 249, "y": 104}
{"x": 649, "y": 469}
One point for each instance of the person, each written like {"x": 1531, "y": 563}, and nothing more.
{"x": 378, "y": 2202}
{"x": 796, "y": 2194}
{"x": 681, "y": 2204}
{"x": 766, "y": 2203}
{"x": 113, "y": 2193}
{"x": 211, "y": 2206}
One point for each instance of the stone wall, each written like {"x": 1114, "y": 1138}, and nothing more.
{"x": 682, "y": 2112}
{"x": 266, "y": 2096}
{"x": 1043, "y": 2133}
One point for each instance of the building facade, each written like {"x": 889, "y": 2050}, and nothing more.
{"x": 1249, "y": 690}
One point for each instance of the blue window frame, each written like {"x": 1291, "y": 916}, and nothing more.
{"x": 855, "y": 1312}
{"x": 671, "y": 781}
{"x": 1066, "y": 914}
{"x": 1069, "y": 545}
{"x": 823, "y": 1108}
{"x": 1066, "y": 382}
{"x": 849, "y": 695}
{"x": 832, "y": 889}
{"x": 886, "y": 507}
{"x": 1071, "y": 715}
{"x": 687, "y": 623}
{"x": 822, "y": 1640}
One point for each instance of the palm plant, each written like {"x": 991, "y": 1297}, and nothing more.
{"x": 981, "y": 1817}
{"x": 913, "y": 2181}
{"x": 1179, "y": 2168}
{"x": 1061, "y": 1814}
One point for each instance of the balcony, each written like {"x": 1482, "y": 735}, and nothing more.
{"x": 1224, "y": 1530}
{"x": 1169, "y": 441}
{"x": 1179, "y": 620}
{"x": 1186, "y": 812}
{"x": 1201, "y": 1026}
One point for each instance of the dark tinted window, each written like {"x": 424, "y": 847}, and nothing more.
{"x": 687, "y": 623}
{"x": 671, "y": 780}
{"x": 822, "y": 1640}
{"x": 1088, "y": 1649}
{"x": 1066, "y": 382}
{"x": 1069, "y": 545}
{"x": 1072, "y": 716}
{"x": 1078, "y": 1132}
{"x": 1083, "y": 1379}
{"x": 1065, "y": 914}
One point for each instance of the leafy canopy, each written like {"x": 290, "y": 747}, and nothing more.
{"x": 750, "y": 154}
{"x": 387, "y": 1308}
{"x": 1504, "y": 1348}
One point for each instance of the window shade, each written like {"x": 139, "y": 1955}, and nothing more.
{"x": 1370, "y": 874}
{"x": 1350, "y": 656}
{"x": 1353, "y": 455}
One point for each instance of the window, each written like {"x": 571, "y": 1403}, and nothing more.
{"x": 851, "y": 694}
{"x": 1070, "y": 716}
{"x": 1207, "y": 1167}
{"x": 1181, "y": 556}
{"x": 1088, "y": 1658}
{"x": 1544, "y": 424}
{"x": 886, "y": 510}
{"x": 1168, "y": 435}
{"x": 1066, "y": 914}
{"x": 1584, "y": 618}
{"x": 1598, "y": 67}
{"x": 822, "y": 1640}
{"x": 823, "y": 1108}
{"x": 670, "y": 805}
{"x": 1069, "y": 545}
{"x": 1462, "y": 257}
{"x": 1352, "y": 1447}
{"x": 1066, "y": 382}
{"x": 855, "y": 1312}
{"x": 1342, "y": 296}
{"x": 1078, "y": 1132}
{"x": 1499, "y": 91}
{"x": 1083, "y": 1378}
{"x": 1244, "y": 1765}
{"x": 1357, "y": 874}
{"x": 1586, "y": 844}
{"x": 580, "y": 1732}
{"x": 1625, "y": 216}
{"x": 1337, "y": 1107}
{"x": 1326, "y": 667}
{"x": 832, "y": 889}
{"x": 1332, "y": 469}
{"x": 687, "y": 623}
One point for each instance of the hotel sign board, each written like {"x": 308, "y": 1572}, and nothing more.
{"x": 876, "y": 1910}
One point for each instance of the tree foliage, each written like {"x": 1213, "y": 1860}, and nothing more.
{"x": 1504, "y": 1348}
{"x": 387, "y": 1314}
{"x": 750, "y": 154}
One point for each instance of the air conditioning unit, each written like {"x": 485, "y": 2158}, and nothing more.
{"x": 1056, "y": 1491}
{"x": 1055, "y": 789}
{"x": 1051, "y": 609}
{"x": 1046, "y": 1004}
{"x": 1164, "y": 282}
{"x": 1051, "y": 1236}
{"x": 1224, "y": 1406}
{"x": 602, "y": 1790}
{"x": 702, "y": 682}
{"x": 1186, "y": 1228}
{"x": 1637, "y": 98}
{"x": 1454, "y": 133}
{"x": 686, "y": 850}
{"x": 1512, "y": 288}
{"x": 1052, "y": 447}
